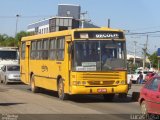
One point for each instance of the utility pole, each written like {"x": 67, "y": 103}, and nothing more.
{"x": 144, "y": 52}
{"x": 17, "y": 16}
{"x": 83, "y": 18}
{"x": 134, "y": 62}
{"x": 108, "y": 23}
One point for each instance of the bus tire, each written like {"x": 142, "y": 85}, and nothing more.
{"x": 61, "y": 94}
{"x": 34, "y": 89}
{"x": 108, "y": 97}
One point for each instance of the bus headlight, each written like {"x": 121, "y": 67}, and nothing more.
{"x": 123, "y": 82}
{"x": 84, "y": 82}
{"x": 76, "y": 82}
{"x": 117, "y": 82}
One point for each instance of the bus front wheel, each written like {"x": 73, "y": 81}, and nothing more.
{"x": 34, "y": 89}
{"x": 61, "y": 94}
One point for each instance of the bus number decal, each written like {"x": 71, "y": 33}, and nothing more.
{"x": 44, "y": 68}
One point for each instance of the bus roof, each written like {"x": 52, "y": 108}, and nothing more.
{"x": 67, "y": 32}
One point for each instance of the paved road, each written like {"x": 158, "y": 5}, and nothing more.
{"x": 18, "y": 99}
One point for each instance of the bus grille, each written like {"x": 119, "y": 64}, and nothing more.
{"x": 97, "y": 79}
{"x": 100, "y": 82}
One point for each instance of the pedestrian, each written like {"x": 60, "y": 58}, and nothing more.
{"x": 140, "y": 78}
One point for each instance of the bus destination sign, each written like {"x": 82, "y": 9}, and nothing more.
{"x": 99, "y": 35}
{"x": 107, "y": 35}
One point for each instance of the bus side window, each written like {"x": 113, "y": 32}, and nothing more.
{"x": 45, "y": 49}
{"x": 39, "y": 50}
{"x": 23, "y": 46}
{"x": 52, "y": 49}
{"x": 60, "y": 48}
{"x": 33, "y": 53}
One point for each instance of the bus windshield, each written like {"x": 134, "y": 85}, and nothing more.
{"x": 99, "y": 55}
{"x": 11, "y": 55}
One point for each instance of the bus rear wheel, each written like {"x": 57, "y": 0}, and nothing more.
{"x": 108, "y": 97}
{"x": 61, "y": 94}
{"x": 34, "y": 89}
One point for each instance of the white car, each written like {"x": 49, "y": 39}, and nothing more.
{"x": 10, "y": 73}
{"x": 133, "y": 77}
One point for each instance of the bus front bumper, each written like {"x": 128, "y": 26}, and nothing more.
{"x": 99, "y": 90}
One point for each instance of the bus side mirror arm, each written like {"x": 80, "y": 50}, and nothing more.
{"x": 70, "y": 48}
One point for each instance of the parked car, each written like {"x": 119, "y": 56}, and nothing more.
{"x": 10, "y": 73}
{"x": 134, "y": 77}
{"x": 150, "y": 97}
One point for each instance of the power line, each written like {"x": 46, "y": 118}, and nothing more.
{"x": 11, "y": 17}
{"x": 143, "y": 33}
{"x": 146, "y": 28}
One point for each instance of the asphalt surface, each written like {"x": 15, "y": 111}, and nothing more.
{"x": 17, "y": 99}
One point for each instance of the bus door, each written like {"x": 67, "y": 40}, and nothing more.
{"x": 69, "y": 55}
{"x": 27, "y": 62}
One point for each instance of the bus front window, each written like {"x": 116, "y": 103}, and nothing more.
{"x": 113, "y": 55}
{"x": 95, "y": 55}
{"x": 87, "y": 56}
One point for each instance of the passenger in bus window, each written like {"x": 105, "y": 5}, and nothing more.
{"x": 94, "y": 55}
{"x": 106, "y": 53}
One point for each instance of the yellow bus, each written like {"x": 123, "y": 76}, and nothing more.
{"x": 77, "y": 61}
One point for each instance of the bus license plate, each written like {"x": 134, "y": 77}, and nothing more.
{"x": 101, "y": 90}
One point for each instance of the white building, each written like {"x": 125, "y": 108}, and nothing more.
{"x": 52, "y": 24}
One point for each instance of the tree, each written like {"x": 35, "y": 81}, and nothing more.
{"x": 19, "y": 36}
{"x": 7, "y": 41}
{"x": 4, "y": 39}
{"x": 153, "y": 58}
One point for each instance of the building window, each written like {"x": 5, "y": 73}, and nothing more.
{"x": 46, "y": 30}
{"x": 39, "y": 31}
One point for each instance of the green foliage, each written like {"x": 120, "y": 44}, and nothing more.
{"x": 131, "y": 67}
{"x": 153, "y": 58}
{"x": 20, "y": 35}
{"x": 6, "y": 40}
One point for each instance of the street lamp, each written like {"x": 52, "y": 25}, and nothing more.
{"x": 17, "y": 16}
